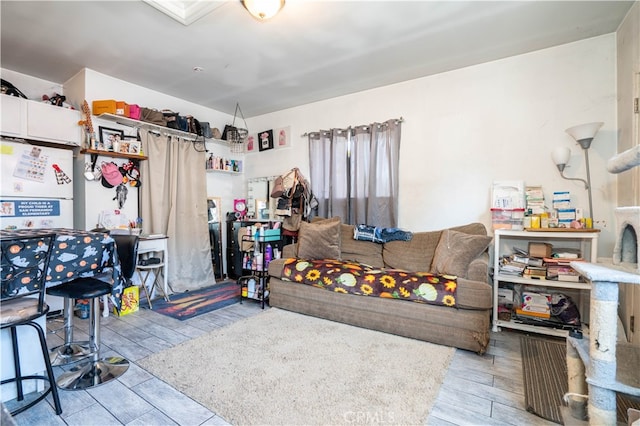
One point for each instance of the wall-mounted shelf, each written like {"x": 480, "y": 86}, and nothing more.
{"x": 97, "y": 152}
{"x": 130, "y": 122}
{"x": 168, "y": 131}
{"x": 222, "y": 164}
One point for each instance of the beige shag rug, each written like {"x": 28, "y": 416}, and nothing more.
{"x": 284, "y": 368}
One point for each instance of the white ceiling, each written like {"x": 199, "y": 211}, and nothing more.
{"x": 312, "y": 50}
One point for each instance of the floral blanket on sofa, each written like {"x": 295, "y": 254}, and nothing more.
{"x": 355, "y": 278}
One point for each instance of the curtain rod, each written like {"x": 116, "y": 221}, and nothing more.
{"x": 399, "y": 120}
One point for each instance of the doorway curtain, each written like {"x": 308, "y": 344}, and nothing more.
{"x": 354, "y": 173}
{"x": 173, "y": 201}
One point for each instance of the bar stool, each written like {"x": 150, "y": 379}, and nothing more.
{"x": 147, "y": 266}
{"x": 96, "y": 371}
{"x": 24, "y": 270}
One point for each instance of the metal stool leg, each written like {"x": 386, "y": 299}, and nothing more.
{"x": 70, "y": 351}
{"x": 96, "y": 371}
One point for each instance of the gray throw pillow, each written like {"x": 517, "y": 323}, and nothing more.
{"x": 456, "y": 250}
{"x": 319, "y": 239}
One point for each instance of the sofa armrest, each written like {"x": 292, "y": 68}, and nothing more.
{"x": 479, "y": 268}
{"x": 290, "y": 251}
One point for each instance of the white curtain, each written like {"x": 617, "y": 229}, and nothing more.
{"x": 173, "y": 201}
{"x": 354, "y": 173}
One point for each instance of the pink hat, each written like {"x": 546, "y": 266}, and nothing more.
{"x": 111, "y": 175}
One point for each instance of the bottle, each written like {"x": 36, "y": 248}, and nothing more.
{"x": 268, "y": 254}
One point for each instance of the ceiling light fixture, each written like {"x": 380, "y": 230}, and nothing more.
{"x": 263, "y": 9}
{"x": 583, "y": 135}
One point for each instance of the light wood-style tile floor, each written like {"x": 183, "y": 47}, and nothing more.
{"x": 478, "y": 390}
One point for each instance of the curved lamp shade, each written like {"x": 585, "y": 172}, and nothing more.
{"x": 584, "y": 133}
{"x": 561, "y": 156}
{"x": 263, "y": 9}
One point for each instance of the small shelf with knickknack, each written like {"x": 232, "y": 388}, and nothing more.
{"x": 507, "y": 241}
{"x": 223, "y": 165}
{"x": 113, "y": 154}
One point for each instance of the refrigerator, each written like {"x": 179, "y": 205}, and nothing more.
{"x": 36, "y": 190}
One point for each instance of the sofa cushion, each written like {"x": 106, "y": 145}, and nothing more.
{"x": 414, "y": 255}
{"x": 319, "y": 239}
{"x": 456, "y": 250}
{"x": 359, "y": 251}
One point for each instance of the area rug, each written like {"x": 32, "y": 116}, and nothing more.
{"x": 282, "y": 368}
{"x": 544, "y": 368}
{"x": 190, "y": 304}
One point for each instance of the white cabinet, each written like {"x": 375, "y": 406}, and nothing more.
{"x": 40, "y": 121}
{"x": 505, "y": 240}
{"x": 14, "y": 114}
{"x": 53, "y": 123}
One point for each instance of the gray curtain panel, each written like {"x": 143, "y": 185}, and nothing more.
{"x": 354, "y": 173}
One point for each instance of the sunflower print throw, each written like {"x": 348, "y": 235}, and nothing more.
{"x": 356, "y": 278}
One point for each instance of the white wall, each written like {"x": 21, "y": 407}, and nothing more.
{"x": 466, "y": 128}
{"x": 32, "y": 87}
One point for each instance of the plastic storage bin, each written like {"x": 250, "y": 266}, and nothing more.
{"x": 507, "y": 219}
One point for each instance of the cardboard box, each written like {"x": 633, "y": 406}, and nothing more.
{"x": 107, "y": 106}
{"x": 130, "y": 301}
{"x": 122, "y": 108}
{"x": 540, "y": 249}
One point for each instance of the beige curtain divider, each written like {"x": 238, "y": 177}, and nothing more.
{"x": 173, "y": 201}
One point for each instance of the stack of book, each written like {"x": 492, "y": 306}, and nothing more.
{"x": 535, "y": 305}
{"x": 535, "y": 272}
{"x": 562, "y": 273}
{"x": 511, "y": 265}
{"x": 559, "y": 268}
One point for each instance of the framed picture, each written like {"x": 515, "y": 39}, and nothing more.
{"x": 134, "y": 147}
{"x": 214, "y": 208}
{"x": 109, "y": 137}
{"x": 282, "y": 137}
{"x": 251, "y": 145}
{"x": 265, "y": 140}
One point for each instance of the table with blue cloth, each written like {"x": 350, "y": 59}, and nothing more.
{"x": 79, "y": 254}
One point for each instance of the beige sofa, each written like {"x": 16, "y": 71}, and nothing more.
{"x": 460, "y": 251}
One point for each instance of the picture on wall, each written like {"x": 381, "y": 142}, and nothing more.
{"x": 108, "y": 137}
{"x": 251, "y": 145}
{"x": 134, "y": 147}
{"x": 265, "y": 140}
{"x": 282, "y": 137}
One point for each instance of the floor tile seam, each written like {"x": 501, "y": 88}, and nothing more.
{"x": 184, "y": 395}
{"x": 486, "y": 392}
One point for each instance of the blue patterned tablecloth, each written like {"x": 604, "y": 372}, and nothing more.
{"x": 79, "y": 254}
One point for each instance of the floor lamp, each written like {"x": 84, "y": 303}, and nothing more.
{"x": 583, "y": 135}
